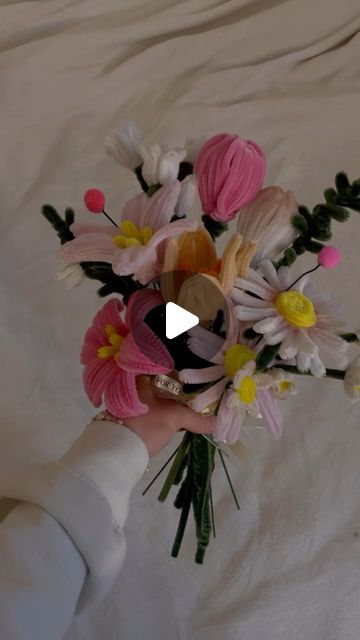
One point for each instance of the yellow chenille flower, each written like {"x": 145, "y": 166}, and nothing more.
{"x": 236, "y": 357}
{"x": 247, "y": 390}
{"x": 132, "y": 235}
{"x": 296, "y": 308}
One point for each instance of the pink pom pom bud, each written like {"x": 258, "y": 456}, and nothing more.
{"x": 94, "y": 200}
{"x": 329, "y": 257}
{"x": 230, "y": 173}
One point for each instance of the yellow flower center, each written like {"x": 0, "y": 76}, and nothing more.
{"x": 236, "y": 357}
{"x": 247, "y": 390}
{"x": 284, "y": 386}
{"x": 132, "y": 235}
{"x": 296, "y": 308}
{"x": 112, "y": 349}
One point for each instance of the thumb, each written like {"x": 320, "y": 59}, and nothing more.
{"x": 187, "y": 419}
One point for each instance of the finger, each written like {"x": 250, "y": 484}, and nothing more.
{"x": 191, "y": 421}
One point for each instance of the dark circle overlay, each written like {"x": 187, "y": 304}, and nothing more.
{"x": 210, "y": 306}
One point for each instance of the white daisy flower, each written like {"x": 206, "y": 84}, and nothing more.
{"x": 242, "y": 396}
{"x": 352, "y": 379}
{"x": 71, "y": 275}
{"x": 279, "y": 382}
{"x": 293, "y": 316}
{"x": 267, "y": 221}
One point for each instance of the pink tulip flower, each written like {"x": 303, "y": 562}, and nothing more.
{"x": 230, "y": 172}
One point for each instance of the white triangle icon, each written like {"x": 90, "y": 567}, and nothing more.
{"x": 178, "y": 320}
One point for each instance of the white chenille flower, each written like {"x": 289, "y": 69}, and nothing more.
{"x": 279, "y": 382}
{"x": 352, "y": 379}
{"x": 71, "y": 275}
{"x": 267, "y": 221}
{"x": 123, "y": 145}
{"x": 186, "y": 196}
{"x": 242, "y": 394}
{"x": 160, "y": 166}
{"x": 298, "y": 319}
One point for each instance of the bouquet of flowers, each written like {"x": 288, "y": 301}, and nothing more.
{"x": 260, "y": 324}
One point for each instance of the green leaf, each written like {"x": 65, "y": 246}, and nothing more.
{"x": 300, "y": 223}
{"x": 214, "y": 227}
{"x": 342, "y": 183}
{"x": 266, "y": 356}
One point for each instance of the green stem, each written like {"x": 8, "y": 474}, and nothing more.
{"x": 183, "y": 517}
{"x": 339, "y": 374}
{"x": 349, "y": 337}
{"x": 182, "y": 450}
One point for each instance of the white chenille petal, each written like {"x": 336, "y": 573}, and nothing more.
{"x": 245, "y": 313}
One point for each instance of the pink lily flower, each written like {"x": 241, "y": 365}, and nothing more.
{"x": 112, "y": 359}
{"x": 137, "y": 245}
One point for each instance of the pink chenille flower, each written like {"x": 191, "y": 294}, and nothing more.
{"x": 230, "y": 172}
{"x": 137, "y": 245}
{"x": 113, "y": 359}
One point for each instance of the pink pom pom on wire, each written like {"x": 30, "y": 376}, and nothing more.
{"x": 329, "y": 257}
{"x": 230, "y": 172}
{"x": 95, "y": 202}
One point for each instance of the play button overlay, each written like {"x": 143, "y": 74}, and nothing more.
{"x": 178, "y": 320}
{"x": 191, "y": 322}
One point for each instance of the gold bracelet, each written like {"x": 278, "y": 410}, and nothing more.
{"x": 106, "y": 416}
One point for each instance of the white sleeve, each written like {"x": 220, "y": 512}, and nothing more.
{"x": 63, "y": 546}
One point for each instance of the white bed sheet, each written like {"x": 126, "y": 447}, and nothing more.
{"x": 285, "y": 73}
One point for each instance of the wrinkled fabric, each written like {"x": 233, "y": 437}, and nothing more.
{"x": 283, "y": 73}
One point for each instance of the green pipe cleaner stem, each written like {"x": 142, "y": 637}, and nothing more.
{"x": 186, "y": 506}
{"x": 161, "y": 470}
{"x": 314, "y": 228}
{"x": 181, "y": 452}
{"x": 229, "y": 480}
{"x": 338, "y": 374}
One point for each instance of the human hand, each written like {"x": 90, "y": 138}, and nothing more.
{"x": 164, "y": 418}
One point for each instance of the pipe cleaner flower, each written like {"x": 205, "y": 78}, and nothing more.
{"x": 230, "y": 172}
{"x": 352, "y": 379}
{"x": 294, "y": 317}
{"x": 160, "y": 165}
{"x": 112, "y": 359}
{"x": 237, "y": 387}
{"x": 267, "y": 221}
{"x": 137, "y": 245}
{"x": 71, "y": 275}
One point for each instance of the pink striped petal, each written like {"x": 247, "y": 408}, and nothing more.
{"x": 81, "y": 228}
{"x": 174, "y": 229}
{"x": 204, "y": 399}
{"x": 121, "y": 397}
{"x": 161, "y": 206}
{"x": 139, "y": 305}
{"x": 270, "y": 411}
{"x": 97, "y": 376}
{"x": 228, "y": 422}
{"x": 90, "y": 247}
{"x": 199, "y": 376}
{"x": 205, "y": 344}
{"x": 153, "y": 358}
